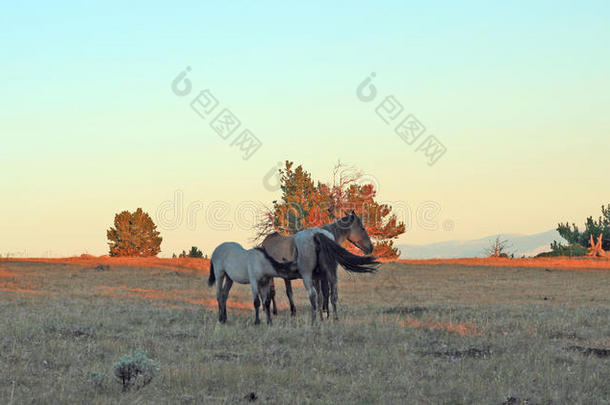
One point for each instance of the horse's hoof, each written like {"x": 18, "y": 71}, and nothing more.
{"x": 257, "y": 322}
{"x": 275, "y": 312}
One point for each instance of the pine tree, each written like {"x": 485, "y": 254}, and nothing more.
{"x": 134, "y": 234}
{"x": 592, "y": 228}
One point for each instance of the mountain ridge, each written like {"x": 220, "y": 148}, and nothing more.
{"x": 519, "y": 244}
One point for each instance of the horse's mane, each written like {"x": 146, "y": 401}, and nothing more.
{"x": 278, "y": 266}
{"x": 267, "y": 237}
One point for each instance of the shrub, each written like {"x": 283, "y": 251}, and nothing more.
{"x": 135, "y": 369}
{"x": 194, "y": 252}
{"x": 134, "y": 234}
{"x": 559, "y": 249}
{"x": 97, "y": 379}
{"x": 575, "y": 236}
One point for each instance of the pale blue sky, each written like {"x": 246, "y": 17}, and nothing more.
{"x": 518, "y": 93}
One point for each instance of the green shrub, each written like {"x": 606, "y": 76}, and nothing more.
{"x": 97, "y": 379}
{"x": 559, "y": 249}
{"x": 595, "y": 228}
{"x": 194, "y": 252}
{"x": 135, "y": 369}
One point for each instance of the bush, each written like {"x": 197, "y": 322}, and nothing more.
{"x": 559, "y": 249}
{"x": 194, "y": 252}
{"x": 135, "y": 369}
{"x": 134, "y": 234}
{"x": 97, "y": 379}
{"x": 575, "y": 236}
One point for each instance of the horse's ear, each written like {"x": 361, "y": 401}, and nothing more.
{"x": 349, "y": 213}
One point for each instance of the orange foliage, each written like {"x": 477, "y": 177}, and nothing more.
{"x": 134, "y": 234}
{"x": 305, "y": 204}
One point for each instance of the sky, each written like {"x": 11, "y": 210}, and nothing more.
{"x": 517, "y": 93}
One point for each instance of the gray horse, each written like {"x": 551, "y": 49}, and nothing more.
{"x": 318, "y": 251}
{"x": 231, "y": 262}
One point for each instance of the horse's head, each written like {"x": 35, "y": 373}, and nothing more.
{"x": 356, "y": 233}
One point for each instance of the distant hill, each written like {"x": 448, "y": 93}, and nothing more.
{"x": 528, "y": 245}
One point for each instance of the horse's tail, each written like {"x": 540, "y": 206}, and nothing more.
{"x": 332, "y": 252}
{"x": 212, "y": 278}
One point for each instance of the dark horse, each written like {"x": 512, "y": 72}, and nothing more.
{"x": 348, "y": 228}
{"x": 317, "y": 252}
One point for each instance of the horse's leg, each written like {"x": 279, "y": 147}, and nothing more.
{"x": 219, "y": 296}
{"x": 328, "y": 271}
{"x": 325, "y": 287}
{"x": 288, "y": 284}
{"x": 265, "y": 290}
{"x": 334, "y": 291}
{"x": 272, "y": 295}
{"x": 256, "y": 301}
{"x": 309, "y": 286}
{"x": 306, "y": 263}
{"x": 322, "y": 289}
{"x": 225, "y": 295}
{"x": 318, "y": 286}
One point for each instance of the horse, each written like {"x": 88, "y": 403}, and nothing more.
{"x": 230, "y": 263}
{"x": 282, "y": 249}
{"x": 327, "y": 242}
{"x": 349, "y": 228}
{"x": 320, "y": 273}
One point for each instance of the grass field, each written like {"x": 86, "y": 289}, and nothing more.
{"x": 412, "y": 333}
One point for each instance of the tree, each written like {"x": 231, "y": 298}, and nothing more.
{"x": 305, "y": 204}
{"x": 194, "y": 252}
{"x": 134, "y": 234}
{"x": 593, "y": 228}
{"x": 498, "y": 248}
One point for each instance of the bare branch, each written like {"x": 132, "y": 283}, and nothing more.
{"x": 499, "y": 248}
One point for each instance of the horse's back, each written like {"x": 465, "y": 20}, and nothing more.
{"x": 306, "y": 236}
{"x": 281, "y": 248}
{"x": 226, "y": 249}
{"x": 231, "y": 258}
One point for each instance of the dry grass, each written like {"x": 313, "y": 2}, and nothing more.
{"x": 568, "y": 263}
{"x": 184, "y": 264}
{"x": 412, "y": 333}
